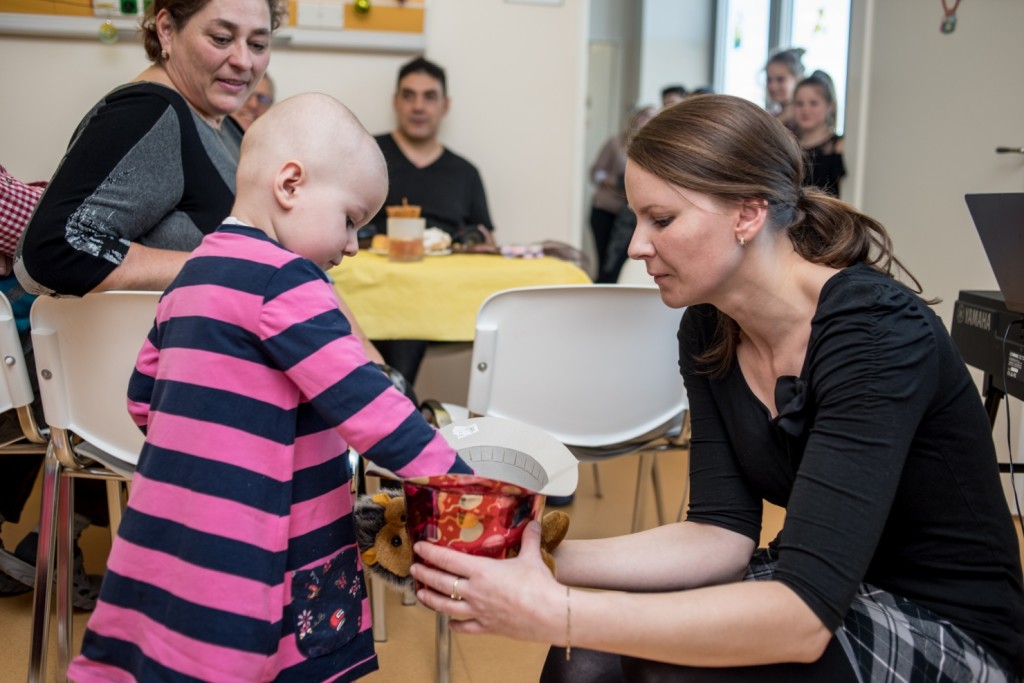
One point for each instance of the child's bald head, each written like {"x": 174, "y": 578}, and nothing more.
{"x": 315, "y": 130}
{"x": 310, "y": 175}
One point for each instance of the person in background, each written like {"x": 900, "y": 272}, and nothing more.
{"x": 672, "y": 94}
{"x": 817, "y": 381}
{"x": 257, "y": 104}
{"x": 611, "y": 220}
{"x": 447, "y": 187}
{"x": 250, "y": 398}
{"x": 783, "y": 70}
{"x": 814, "y": 106}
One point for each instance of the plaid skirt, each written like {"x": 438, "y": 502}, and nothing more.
{"x": 889, "y": 639}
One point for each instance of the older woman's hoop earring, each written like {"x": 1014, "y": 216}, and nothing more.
{"x": 164, "y": 55}
{"x": 743, "y": 241}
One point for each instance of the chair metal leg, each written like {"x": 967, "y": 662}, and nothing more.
{"x": 597, "y": 482}
{"x": 642, "y": 476}
{"x": 378, "y": 593}
{"x": 656, "y": 483}
{"x": 115, "y": 505}
{"x": 409, "y": 596}
{"x": 53, "y": 483}
{"x": 686, "y": 489}
{"x": 65, "y": 561}
{"x": 443, "y": 649}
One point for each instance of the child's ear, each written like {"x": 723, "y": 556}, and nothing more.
{"x": 287, "y": 181}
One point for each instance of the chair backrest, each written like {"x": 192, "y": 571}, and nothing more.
{"x": 593, "y": 365}
{"x": 15, "y": 389}
{"x": 634, "y": 272}
{"x": 85, "y": 351}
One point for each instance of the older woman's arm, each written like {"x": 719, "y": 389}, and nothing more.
{"x": 136, "y": 173}
{"x": 144, "y": 268}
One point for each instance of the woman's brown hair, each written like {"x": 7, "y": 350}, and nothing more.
{"x": 183, "y": 10}
{"x": 732, "y": 149}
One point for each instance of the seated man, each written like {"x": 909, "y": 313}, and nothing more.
{"x": 672, "y": 94}
{"x": 426, "y": 173}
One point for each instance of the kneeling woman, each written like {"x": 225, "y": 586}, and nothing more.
{"x": 817, "y": 381}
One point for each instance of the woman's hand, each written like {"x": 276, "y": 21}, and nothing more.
{"x": 516, "y": 598}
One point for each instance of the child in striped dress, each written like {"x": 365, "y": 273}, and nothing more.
{"x": 236, "y": 559}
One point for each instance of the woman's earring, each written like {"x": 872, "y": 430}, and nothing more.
{"x": 164, "y": 55}
{"x": 743, "y": 241}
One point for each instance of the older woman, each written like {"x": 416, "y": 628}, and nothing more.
{"x": 151, "y": 168}
{"x": 816, "y": 381}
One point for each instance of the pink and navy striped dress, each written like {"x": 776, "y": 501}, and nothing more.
{"x": 236, "y": 559}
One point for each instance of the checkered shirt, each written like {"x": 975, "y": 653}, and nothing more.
{"x": 17, "y": 202}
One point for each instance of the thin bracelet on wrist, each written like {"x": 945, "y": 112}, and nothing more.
{"x": 568, "y": 623}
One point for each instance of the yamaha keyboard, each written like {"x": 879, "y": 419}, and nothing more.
{"x": 980, "y": 319}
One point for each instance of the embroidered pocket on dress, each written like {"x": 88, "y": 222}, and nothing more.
{"x": 327, "y": 604}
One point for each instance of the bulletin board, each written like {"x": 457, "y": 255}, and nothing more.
{"x": 361, "y": 25}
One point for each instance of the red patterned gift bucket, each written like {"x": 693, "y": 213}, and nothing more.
{"x": 473, "y": 514}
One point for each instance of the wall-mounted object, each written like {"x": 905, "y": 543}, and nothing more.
{"x": 356, "y": 25}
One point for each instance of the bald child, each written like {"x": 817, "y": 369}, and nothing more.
{"x": 236, "y": 558}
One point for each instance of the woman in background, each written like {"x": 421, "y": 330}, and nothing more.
{"x": 783, "y": 70}
{"x": 814, "y": 103}
{"x": 610, "y": 198}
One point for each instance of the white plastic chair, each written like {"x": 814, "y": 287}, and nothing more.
{"x": 634, "y": 272}
{"x": 16, "y": 397}
{"x": 85, "y": 351}
{"x": 595, "y": 366}
{"x": 16, "y": 388}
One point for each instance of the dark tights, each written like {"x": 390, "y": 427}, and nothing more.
{"x": 590, "y": 666}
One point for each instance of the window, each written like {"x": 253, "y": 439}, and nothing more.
{"x": 748, "y": 31}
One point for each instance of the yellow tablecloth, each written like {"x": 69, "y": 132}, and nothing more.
{"x": 437, "y": 298}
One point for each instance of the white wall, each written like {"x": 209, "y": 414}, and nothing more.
{"x": 620, "y": 22}
{"x": 926, "y": 113}
{"x": 677, "y": 46}
{"x": 516, "y": 76}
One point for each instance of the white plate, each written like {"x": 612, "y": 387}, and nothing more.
{"x": 446, "y": 252}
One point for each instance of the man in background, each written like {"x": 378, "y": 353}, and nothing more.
{"x": 257, "y": 104}
{"x": 421, "y": 170}
{"x": 672, "y": 94}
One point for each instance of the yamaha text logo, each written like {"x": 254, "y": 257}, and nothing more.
{"x": 974, "y": 317}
